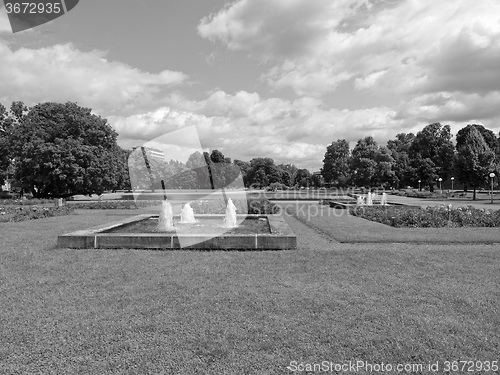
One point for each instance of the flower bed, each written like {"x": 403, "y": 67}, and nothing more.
{"x": 430, "y": 217}
{"x": 9, "y": 213}
{"x": 24, "y": 202}
{"x": 254, "y": 206}
{"x": 113, "y": 205}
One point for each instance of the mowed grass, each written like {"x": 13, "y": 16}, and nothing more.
{"x": 194, "y": 312}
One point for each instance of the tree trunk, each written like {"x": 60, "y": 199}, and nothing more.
{"x": 474, "y": 195}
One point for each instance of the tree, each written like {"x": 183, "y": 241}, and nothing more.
{"x": 384, "y": 173}
{"x": 245, "y": 167}
{"x": 474, "y": 160}
{"x": 198, "y": 163}
{"x": 63, "y": 149}
{"x": 288, "y": 174}
{"x": 122, "y": 175}
{"x": 363, "y": 161}
{"x": 336, "y": 163}
{"x": 222, "y": 170}
{"x": 8, "y": 120}
{"x": 404, "y": 174}
{"x": 488, "y": 136}
{"x": 303, "y": 178}
{"x": 263, "y": 172}
{"x": 433, "y": 142}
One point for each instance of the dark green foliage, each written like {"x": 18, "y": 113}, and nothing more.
{"x": 64, "y": 149}
{"x": 432, "y": 154}
{"x": 474, "y": 160}
{"x": 336, "y": 163}
{"x": 371, "y": 164}
{"x": 404, "y": 174}
{"x": 263, "y": 172}
{"x": 488, "y": 136}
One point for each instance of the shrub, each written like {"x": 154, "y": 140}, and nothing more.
{"x": 14, "y": 214}
{"x": 114, "y": 205}
{"x": 253, "y": 206}
{"x": 430, "y": 217}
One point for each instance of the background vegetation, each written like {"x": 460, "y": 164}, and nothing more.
{"x": 58, "y": 150}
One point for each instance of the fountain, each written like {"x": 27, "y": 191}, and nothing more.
{"x": 369, "y": 200}
{"x": 360, "y": 201}
{"x": 230, "y": 217}
{"x": 187, "y": 215}
{"x": 165, "y": 220}
{"x": 383, "y": 200}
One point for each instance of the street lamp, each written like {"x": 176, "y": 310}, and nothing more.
{"x": 452, "y": 179}
{"x": 419, "y": 181}
{"x": 492, "y": 176}
{"x": 440, "y": 188}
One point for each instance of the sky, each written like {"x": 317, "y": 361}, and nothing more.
{"x": 264, "y": 78}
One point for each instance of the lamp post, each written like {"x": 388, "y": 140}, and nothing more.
{"x": 419, "y": 181}
{"x": 452, "y": 179}
{"x": 440, "y": 188}
{"x": 492, "y": 176}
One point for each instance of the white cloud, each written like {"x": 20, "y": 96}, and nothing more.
{"x": 64, "y": 73}
{"x": 244, "y": 126}
{"x": 313, "y": 46}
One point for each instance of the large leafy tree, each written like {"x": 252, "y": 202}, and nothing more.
{"x": 399, "y": 148}
{"x": 288, "y": 173}
{"x": 432, "y": 153}
{"x": 489, "y": 137}
{"x": 336, "y": 163}
{"x": 199, "y": 164}
{"x": 64, "y": 149}
{"x": 363, "y": 161}
{"x": 384, "y": 173}
{"x": 474, "y": 160}
{"x": 244, "y": 167}
{"x": 303, "y": 178}
{"x": 263, "y": 172}
{"x": 8, "y": 120}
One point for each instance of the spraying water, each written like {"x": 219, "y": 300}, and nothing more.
{"x": 360, "y": 201}
{"x": 369, "y": 200}
{"x": 230, "y": 218}
{"x": 187, "y": 214}
{"x": 383, "y": 201}
{"x": 165, "y": 220}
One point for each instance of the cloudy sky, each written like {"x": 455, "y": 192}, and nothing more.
{"x": 276, "y": 78}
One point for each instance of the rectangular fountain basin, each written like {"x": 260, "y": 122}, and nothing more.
{"x": 257, "y": 232}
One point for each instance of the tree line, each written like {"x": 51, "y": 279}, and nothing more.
{"x": 59, "y": 150}
{"x": 416, "y": 160}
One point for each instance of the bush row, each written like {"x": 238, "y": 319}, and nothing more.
{"x": 113, "y": 205}
{"x": 13, "y": 214}
{"x": 430, "y": 217}
{"x": 250, "y": 206}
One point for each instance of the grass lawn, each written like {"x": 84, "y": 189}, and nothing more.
{"x": 343, "y": 227}
{"x": 189, "y": 312}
